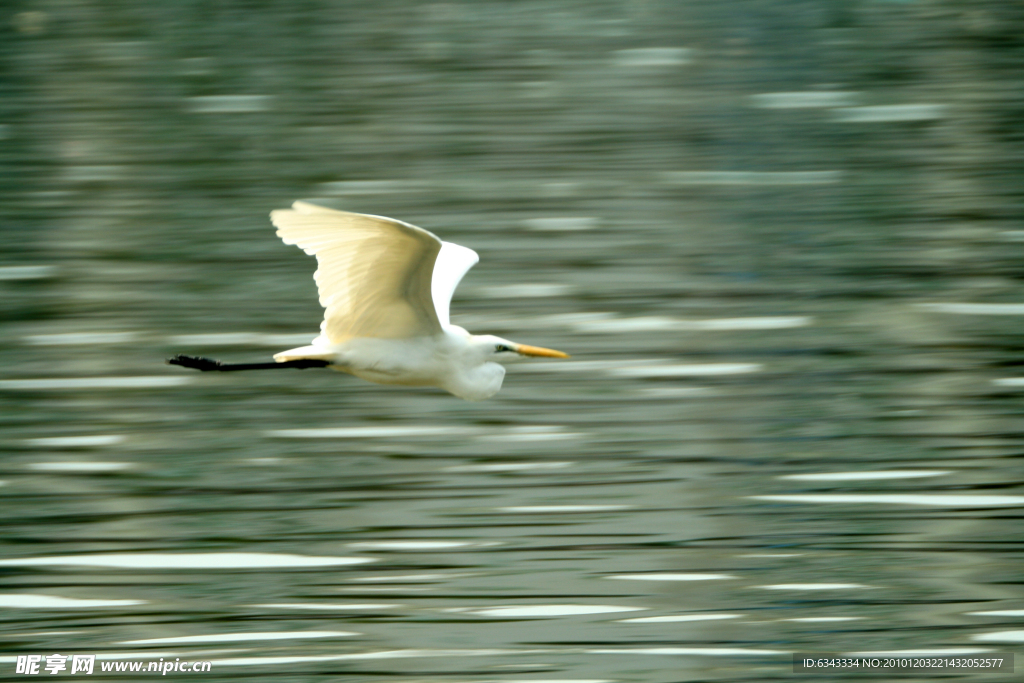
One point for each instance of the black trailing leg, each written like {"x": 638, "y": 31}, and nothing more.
{"x": 210, "y": 365}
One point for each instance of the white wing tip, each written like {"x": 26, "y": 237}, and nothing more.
{"x": 297, "y": 207}
{"x": 306, "y": 207}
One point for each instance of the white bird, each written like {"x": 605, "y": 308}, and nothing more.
{"x": 386, "y": 287}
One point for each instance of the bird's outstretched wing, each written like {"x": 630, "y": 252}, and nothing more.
{"x": 451, "y": 264}
{"x": 376, "y": 275}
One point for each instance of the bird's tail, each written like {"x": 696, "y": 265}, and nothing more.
{"x": 305, "y": 352}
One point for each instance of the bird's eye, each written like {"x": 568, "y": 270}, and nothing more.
{"x": 501, "y": 347}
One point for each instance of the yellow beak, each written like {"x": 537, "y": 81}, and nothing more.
{"x": 526, "y": 350}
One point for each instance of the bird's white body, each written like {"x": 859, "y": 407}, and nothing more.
{"x": 386, "y": 287}
{"x": 447, "y": 360}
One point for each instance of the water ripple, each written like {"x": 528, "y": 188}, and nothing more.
{"x": 931, "y": 499}
{"x": 187, "y": 561}
{"x": 31, "y": 601}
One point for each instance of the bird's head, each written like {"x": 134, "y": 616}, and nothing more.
{"x": 497, "y": 349}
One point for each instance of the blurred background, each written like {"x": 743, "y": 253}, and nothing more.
{"x": 782, "y": 240}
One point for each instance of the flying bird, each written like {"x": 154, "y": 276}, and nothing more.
{"x": 386, "y": 286}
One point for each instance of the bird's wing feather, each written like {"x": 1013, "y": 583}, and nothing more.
{"x": 375, "y": 274}
{"x": 453, "y": 262}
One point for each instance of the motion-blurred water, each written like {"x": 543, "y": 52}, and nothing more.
{"x": 782, "y": 241}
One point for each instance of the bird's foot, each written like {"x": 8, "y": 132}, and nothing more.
{"x": 196, "y": 363}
